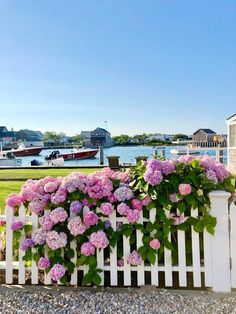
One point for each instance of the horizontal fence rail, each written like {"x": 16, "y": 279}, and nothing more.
{"x": 213, "y": 266}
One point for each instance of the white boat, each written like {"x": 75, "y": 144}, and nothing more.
{"x": 184, "y": 151}
{"x": 54, "y": 160}
{"x": 7, "y": 159}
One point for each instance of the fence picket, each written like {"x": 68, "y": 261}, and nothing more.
{"x": 140, "y": 268}
{"x": 21, "y": 270}
{"x": 73, "y": 246}
{"x": 47, "y": 279}
{"x": 232, "y": 244}
{"x": 127, "y": 268}
{"x": 196, "y": 254}
{"x": 34, "y": 266}
{"x": 168, "y": 265}
{"x": 182, "y": 258}
{"x": 9, "y": 236}
{"x": 154, "y": 268}
{"x": 113, "y": 254}
{"x": 207, "y": 242}
{"x": 100, "y": 261}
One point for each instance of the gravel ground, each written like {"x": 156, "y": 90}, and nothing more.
{"x": 127, "y": 301}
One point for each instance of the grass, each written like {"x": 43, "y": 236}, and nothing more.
{"x": 17, "y": 177}
{"x": 40, "y": 173}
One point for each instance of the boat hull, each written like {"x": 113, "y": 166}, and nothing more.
{"x": 13, "y": 162}
{"x": 79, "y": 155}
{"x": 30, "y": 151}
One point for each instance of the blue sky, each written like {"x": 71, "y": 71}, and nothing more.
{"x": 143, "y": 66}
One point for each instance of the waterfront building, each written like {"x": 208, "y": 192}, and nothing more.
{"x": 7, "y": 137}
{"x": 30, "y": 138}
{"x": 231, "y": 125}
{"x": 203, "y": 135}
{"x": 94, "y": 138}
{"x": 102, "y": 136}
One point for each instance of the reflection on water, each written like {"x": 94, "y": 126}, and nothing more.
{"x": 126, "y": 153}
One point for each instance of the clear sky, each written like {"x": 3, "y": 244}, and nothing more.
{"x": 141, "y": 65}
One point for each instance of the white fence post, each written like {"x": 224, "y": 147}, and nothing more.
{"x": 233, "y": 244}
{"x": 220, "y": 242}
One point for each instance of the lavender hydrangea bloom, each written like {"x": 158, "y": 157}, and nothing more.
{"x": 167, "y": 167}
{"x": 56, "y": 272}
{"x": 123, "y": 193}
{"x": 26, "y": 244}
{"x": 154, "y": 165}
{"x": 107, "y": 224}
{"x": 211, "y": 175}
{"x": 16, "y": 225}
{"x": 153, "y": 177}
{"x": 75, "y": 207}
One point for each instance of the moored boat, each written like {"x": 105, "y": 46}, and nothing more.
{"x": 184, "y": 151}
{"x": 25, "y": 151}
{"x": 78, "y": 154}
{"x": 7, "y": 159}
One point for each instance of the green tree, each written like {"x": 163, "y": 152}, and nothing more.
{"x": 180, "y": 136}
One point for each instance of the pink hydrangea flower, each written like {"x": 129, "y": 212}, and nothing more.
{"x": 120, "y": 262}
{"x": 178, "y": 219}
{"x": 167, "y": 167}
{"x": 134, "y": 259}
{"x": 155, "y": 244}
{"x": 58, "y": 214}
{"x": 154, "y": 165}
{"x": 51, "y": 186}
{"x": 60, "y": 196}
{"x": 39, "y": 236}
{"x": 106, "y": 209}
{"x": 146, "y": 200}
{"x": 46, "y": 222}
{"x": 76, "y": 226}
{"x": 112, "y": 199}
{"x": 43, "y": 263}
{"x": 133, "y": 216}
{"x": 56, "y": 240}
{"x": 16, "y": 225}
{"x": 99, "y": 239}
{"x": 123, "y": 209}
{"x": 90, "y": 218}
{"x": 36, "y": 206}
{"x": 56, "y": 272}
{"x": 13, "y": 200}
{"x": 136, "y": 204}
{"x": 153, "y": 177}
{"x": 185, "y": 189}
{"x": 87, "y": 249}
{"x": 27, "y": 194}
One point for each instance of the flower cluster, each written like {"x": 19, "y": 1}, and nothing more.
{"x": 80, "y": 209}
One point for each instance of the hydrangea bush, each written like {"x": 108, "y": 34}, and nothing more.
{"x": 78, "y": 208}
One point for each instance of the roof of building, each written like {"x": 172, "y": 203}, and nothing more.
{"x": 207, "y": 131}
{"x": 234, "y": 115}
{"x": 2, "y": 128}
{"x": 7, "y": 134}
{"x": 100, "y": 129}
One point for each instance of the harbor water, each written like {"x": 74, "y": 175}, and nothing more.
{"x": 126, "y": 154}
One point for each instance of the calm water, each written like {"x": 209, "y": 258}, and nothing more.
{"x": 126, "y": 153}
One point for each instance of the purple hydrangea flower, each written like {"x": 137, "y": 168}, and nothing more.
{"x": 26, "y": 244}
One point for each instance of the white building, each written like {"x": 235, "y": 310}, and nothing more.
{"x": 231, "y": 125}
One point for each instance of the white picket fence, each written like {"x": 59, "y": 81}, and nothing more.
{"x": 218, "y": 265}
